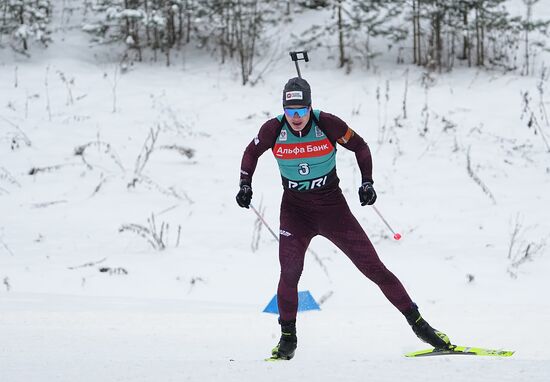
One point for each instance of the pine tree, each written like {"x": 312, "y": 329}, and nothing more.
{"x": 444, "y": 32}
{"x": 354, "y": 24}
{"x": 485, "y": 31}
{"x": 529, "y": 26}
{"x": 23, "y": 21}
{"x": 372, "y": 19}
{"x": 233, "y": 28}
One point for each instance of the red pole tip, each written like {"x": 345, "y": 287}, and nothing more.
{"x": 397, "y": 236}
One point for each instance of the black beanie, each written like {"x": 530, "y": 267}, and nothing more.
{"x": 297, "y": 92}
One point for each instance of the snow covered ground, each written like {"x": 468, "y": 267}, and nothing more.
{"x": 193, "y": 311}
{"x": 62, "y": 338}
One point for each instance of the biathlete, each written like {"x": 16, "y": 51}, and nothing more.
{"x": 303, "y": 142}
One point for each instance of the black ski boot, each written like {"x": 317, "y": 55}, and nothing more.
{"x": 425, "y": 332}
{"x": 287, "y": 344}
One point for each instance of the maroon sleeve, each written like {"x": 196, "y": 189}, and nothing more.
{"x": 262, "y": 142}
{"x": 338, "y": 131}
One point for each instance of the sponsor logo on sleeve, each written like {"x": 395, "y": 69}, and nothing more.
{"x": 256, "y": 140}
{"x": 346, "y": 137}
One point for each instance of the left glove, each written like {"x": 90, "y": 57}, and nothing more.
{"x": 367, "y": 195}
{"x": 244, "y": 197}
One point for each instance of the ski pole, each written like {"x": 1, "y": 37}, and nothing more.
{"x": 396, "y": 236}
{"x": 264, "y": 222}
{"x": 297, "y": 56}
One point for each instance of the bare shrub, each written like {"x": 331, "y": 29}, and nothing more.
{"x": 476, "y": 178}
{"x": 6, "y": 176}
{"x": 103, "y": 148}
{"x": 47, "y": 169}
{"x": 15, "y": 139}
{"x": 113, "y": 271}
{"x": 184, "y": 151}
{"x": 156, "y": 236}
{"x": 88, "y": 264}
{"x": 69, "y": 83}
{"x": 532, "y": 120}
{"x": 521, "y": 248}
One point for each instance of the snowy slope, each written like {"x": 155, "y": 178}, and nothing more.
{"x": 193, "y": 311}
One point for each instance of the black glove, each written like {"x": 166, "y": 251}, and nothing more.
{"x": 244, "y": 197}
{"x": 367, "y": 195}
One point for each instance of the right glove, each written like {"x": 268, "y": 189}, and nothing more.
{"x": 244, "y": 197}
{"x": 367, "y": 195}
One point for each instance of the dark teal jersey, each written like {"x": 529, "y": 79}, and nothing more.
{"x": 305, "y": 162}
{"x": 307, "y": 159}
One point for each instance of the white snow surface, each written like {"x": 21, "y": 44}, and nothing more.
{"x": 193, "y": 312}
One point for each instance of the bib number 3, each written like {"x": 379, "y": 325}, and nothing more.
{"x": 304, "y": 169}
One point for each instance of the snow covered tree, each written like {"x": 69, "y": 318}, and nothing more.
{"x": 236, "y": 29}
{"x": 528, "y": 26}
{"x": 436, "y": 26}
{"x": 23, "y": 21}
{"x": 233, "y": 29}
{"x": 354, "y": 24}
{"x": 444, "y": 32}
{"x": 480, "y": 32}
{"x": 156, "y": 24}
{"x": 372, "y": 19}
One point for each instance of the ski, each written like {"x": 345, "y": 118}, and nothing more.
{"x": 275, "y": 359}
{"x": 461, "y": 350}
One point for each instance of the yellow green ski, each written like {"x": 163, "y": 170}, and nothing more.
{"x": 461, "y": 350}
{"x": 275, "y": 359}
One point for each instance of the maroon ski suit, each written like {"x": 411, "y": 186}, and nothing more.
{"x": 325, "y": 212}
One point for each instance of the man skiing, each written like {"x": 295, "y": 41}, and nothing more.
{"x": 303, "y": 142}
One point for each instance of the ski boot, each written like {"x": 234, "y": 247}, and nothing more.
{"x": 287, "y": 344}
{"x": 425, "y": 332}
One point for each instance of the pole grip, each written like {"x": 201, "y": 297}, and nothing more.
{"x": 299, "y": 56}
